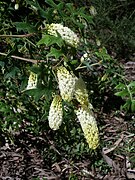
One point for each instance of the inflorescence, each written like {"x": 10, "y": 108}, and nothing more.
{"x": 72, "y": 88}
{"x": 66, "y": 34}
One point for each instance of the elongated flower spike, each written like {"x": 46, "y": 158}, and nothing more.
{"x": 66, "y": 81}
{"x": 32, "y": 82}
{"x": 81, "y": 93}
{"x": 89, "y": 126}
{"x": 55, "y": 113}
{"x": 66, "y": 34}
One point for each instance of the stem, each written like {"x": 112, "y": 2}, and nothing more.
{"x": 130, "y": 95}
{"x": 30, "y": 42}
{"x": 23, "y": 59}
{"x": 80, "y": 67}
{"x": 17, "y": 36}
{"x": 95, "y": 64}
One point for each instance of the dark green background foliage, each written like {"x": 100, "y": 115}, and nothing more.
{"x": 113, "y": 25}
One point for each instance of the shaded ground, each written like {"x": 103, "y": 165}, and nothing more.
{"x": 22, "y": 160}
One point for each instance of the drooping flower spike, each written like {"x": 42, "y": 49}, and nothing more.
{"x": 66, "y": 33}
{"x": 89, "y": 126}
{"x": 66, "y": 82}
{"x": 55, "y": 113}
{"x": 81, "y": 93}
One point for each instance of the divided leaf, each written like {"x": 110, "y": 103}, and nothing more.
{"x": 49, "y": 40}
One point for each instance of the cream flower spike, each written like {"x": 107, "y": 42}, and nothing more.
{"x": 81, "y": 93}
{"x": 66, "y": 34}
{"x": 55, "y": 113}
{"x": 66, "y": 81}
{"x": 89, "y": 126}
{"x": 32, "y": 82}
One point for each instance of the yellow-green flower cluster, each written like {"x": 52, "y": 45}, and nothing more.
{"x": 32, "y": 82}
{"x": 66, "y": 34}
{"x": 71, "y": 88}
{"x": 89, "y": 126}
{"x": 66, "y": 81}
{"x": 81, "y": 93}
{"x": 55, "y": 113}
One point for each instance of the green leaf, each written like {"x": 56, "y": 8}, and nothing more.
{"x": 55, "y": 52}
{"x": 120, "y": 86}
{"x": 49, "y": 40}
{"x": 70, "y": 7}
{"x": 24, "y": 26}
{"x": 38, "y": 93}
{"x": 12, "y": 73}
{"x": 60, "y": 6}
{"x": 2, "y": 63}
{"x": 122, "y": 93}
{"x": 127, "y": 105}
{"x": 132, "y": 84}
{"x": 35, "y": 69}
{"x": 35, "y": 4}
{"x": 51, "y": 3}
{"x": 4, "y": 108}
{"x": 133, "y": 105}
{"x": 132, "y": 91}
{"x": 80, "y": 25}
{"x": 24, "y": 82}
{"x": 88, "y": 18}
{"x": 74, "y": 62}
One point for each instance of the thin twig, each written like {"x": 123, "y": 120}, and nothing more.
{"x": 95, "y": 64}
{"x": 17, "y": 36}
{"x": 23, "y": 59}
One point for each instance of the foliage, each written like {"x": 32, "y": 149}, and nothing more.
{"x": 127, "y": 92}
{"x": 25, "y": 35}
{"x": 114, "y": 25}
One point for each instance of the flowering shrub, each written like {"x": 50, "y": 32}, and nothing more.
{"x": 71, "y": 88}
{"x": 60, "y": 68}
{"x": 50, "y": 107}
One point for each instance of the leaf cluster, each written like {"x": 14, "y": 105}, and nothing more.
{"x": 127, "y": 92}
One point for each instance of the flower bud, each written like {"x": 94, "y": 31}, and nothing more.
{"x": 16, "y": 6}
